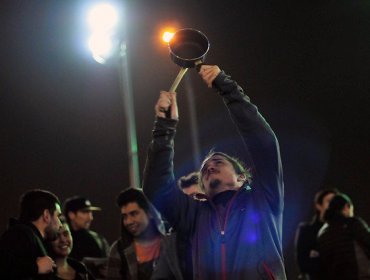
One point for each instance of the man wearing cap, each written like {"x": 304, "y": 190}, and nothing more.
{"x": 86, "y": 243}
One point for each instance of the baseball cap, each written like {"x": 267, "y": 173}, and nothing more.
{"x": 78, "y": 203}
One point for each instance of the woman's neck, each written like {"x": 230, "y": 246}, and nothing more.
{"x": 64, "y": 270}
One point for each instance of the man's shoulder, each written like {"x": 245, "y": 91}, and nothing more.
{"x": 307, "y": 229}
{"x": 312, "y": 225}
{"x": 115, "y": 243}
{"x": 99, "y": 237}
{"x": 86, "y": 233}
{"x": 94, "y": 234}
{"x": 355, "y": 220}
{"x": 118, "y": 247}
{"x": 121, "y": 244}
{"x": 356, "y": 223}
{"x": 20, "y": 236}
{"x": 19, "y": 230}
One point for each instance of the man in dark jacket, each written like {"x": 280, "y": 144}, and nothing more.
{"x": 22, "y": 248}
{"x": 89, "y": 246}
{"x": 306, "y": 237}
{"x": 87, "y": 243}
{"x": 235, "y": 234}
{"x": 135, "y": 254}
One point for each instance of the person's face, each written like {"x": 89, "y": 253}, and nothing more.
{"x": 135, "y": 219}
{"x": 219, "y": 175}
{"x": 54, "y": 225}
{"x": 62, "y": 245}
{"x": 81, "y": 219}
{"x": 348, "y": 211}
{"x": 325, "y": 204}
{"x": 191, "y": 190}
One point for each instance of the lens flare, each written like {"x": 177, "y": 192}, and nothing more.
{"x": 167, "y": 36}
{"x": 100, "y": 46}
{"x": 102, "y": 17}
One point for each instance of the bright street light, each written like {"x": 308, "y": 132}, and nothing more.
{"x": 107, "y": 41}
{"x": 103, "y": 17}
{"x": 100, "y": 46}
{"x": 103, "y": 22}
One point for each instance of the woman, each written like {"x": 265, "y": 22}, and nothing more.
{"x": 66, "y": 268}
{"x": 344, "y": 242}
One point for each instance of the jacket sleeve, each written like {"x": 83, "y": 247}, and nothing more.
{"x": 261, "y": 146}
{"x": 114, "y": 263}
{"x": 105, "y": 246}
{"x": 361, "y": 234}
{"x": 18, "y": 255}
{"x": 303, "y": 246}
{"x": 159, "y": 183}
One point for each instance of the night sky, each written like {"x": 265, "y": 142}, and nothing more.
{"x": 305, "y": 64}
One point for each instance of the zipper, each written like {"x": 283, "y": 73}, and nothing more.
{"x": 222, "y": 227}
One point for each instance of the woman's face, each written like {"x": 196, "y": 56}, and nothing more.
{"x": 348, "y": 210}
{"x": 62, "y": 246}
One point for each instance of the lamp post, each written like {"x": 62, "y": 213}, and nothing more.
{"x": 128, "y": 106}
{"x": 105, "y": 44}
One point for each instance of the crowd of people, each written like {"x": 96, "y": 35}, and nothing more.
{"x": 223, "y": 222}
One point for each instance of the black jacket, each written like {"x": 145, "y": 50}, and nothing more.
{"x": 20, "y": 246}
{"x": 306, "y": 248}
{"x": 344, "y": 247}
{"x": 173, "y": 262}
{"x": 248, "y": 244}
{"x": 81, "y": 271}
{"x": 88, "y": 243}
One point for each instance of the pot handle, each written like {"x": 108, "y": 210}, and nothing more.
{"x": 182, "y": 73}
{"x": 178, "y": 79}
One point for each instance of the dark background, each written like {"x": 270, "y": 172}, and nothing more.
{"x": 304, "y": 63}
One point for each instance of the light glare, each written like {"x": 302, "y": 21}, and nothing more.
{"x": 100, "y": 46}
{"x": 167, "y": 36}
{"x": 102, "y": 17}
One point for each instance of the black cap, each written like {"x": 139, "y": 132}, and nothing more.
{"x": 78, "y": 203}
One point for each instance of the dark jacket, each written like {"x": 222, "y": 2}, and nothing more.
{"x": 122, "y": 260}
{"x": 81, "y": 271}
{"x": 344, "y": 247}
{"x": 247, "y": 245}
{"x": 88, "y": 243}
{"x": 173, "y": 263}
{"x": 20, "y": 246}
{"x": 306, "y": 249}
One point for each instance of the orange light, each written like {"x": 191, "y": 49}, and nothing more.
{"x": 167, "y": 36}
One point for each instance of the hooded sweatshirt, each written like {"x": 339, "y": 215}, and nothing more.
{"x": 122, "y": 261}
